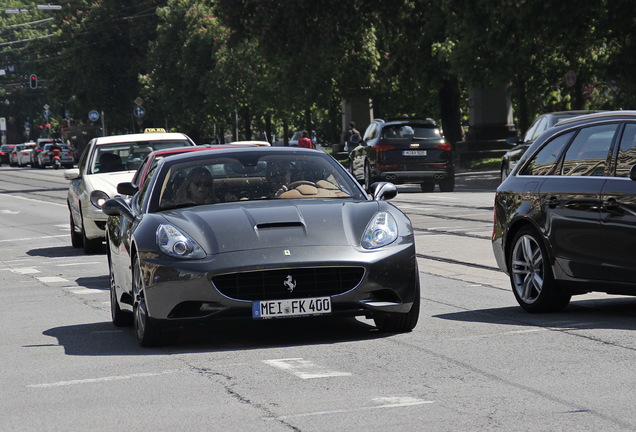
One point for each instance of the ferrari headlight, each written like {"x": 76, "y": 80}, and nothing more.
{"x": 381, "y": 231}
{"x": 178, "y": 244}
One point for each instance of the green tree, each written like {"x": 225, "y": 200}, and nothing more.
{"x": 102, "y": 49}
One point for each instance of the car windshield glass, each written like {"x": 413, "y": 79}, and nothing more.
{"x": 128, "y": 156}
{"x": 248, "y": 177}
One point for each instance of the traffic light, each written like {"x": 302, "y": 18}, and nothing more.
{"x": 33, "y": 81}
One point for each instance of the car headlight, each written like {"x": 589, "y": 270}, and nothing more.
{"x": 381, "y": 231}
{"x": 98, "y": 198}
{"x": 178, "y": 244}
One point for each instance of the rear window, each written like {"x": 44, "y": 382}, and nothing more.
{"x": 411, "y": 132}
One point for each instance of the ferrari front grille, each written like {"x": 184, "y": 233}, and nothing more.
{"x": 289, "y": 283}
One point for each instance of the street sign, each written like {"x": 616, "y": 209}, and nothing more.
{"x": 3, "y": 124}
{"x": 93, "y": 115}
{"x": 139, "y": 111}
{"x": 47, "y": 112}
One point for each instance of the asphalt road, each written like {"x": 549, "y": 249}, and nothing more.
{"x": 475, "y": 361}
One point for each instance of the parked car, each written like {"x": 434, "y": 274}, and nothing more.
{"x": 565, "y": 218}
{"x": 538, "y": 126}
{"x": 13, "y": 155}
{"x": 66, "y": 156}
{"x": 39, "y": 146}
{"x": 106, "y": 162}
{"x": 5, "y": 153}
{"x": 318, "y": 246}
{"x": 24, "y": 155}
{"x": 404, "y": 150}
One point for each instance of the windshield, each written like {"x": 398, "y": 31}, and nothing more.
{"x": 127, "y": 156}
{"x": 254, "y": 177}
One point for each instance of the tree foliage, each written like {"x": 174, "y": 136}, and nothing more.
{"x": 213, "y": 67}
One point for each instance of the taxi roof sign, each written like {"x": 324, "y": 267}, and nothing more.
{"x": 154, "y": 130}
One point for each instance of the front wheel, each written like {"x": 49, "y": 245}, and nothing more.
{"x": 119, "y": 317}
{"x": 531, "y": 275}
{"x": 400, "y": 322}
{"x": 77, "y": 239}
{"x": 148, "y": 335}
{"x": 368, "y": 180}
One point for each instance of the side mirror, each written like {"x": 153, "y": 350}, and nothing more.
{"x": 632, "y": 173}
{"x": 383, "y": 191}
{"x": 127, "y": 188}
{"x": 513, "y": 141}
{"x": 72, "y": 174}
{"x": 117, "y": 207}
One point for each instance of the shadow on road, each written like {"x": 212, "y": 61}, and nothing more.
{"x": 617, "y": 313}
{"x": 103, "y": 339}
{"x": 55, "y": 252}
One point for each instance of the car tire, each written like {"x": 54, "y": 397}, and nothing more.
{"x": 77, "y": 240}
{"x": 119, "y": 317}
{"x": 400, "y": 322}
{"x": 147, "y": 333}
{"x": 447, "y": 185}
{"x": 531, "y": 276}
{"x": 368, "y": 180}
{"x": 90, "y": 246}
{"x": 427, "y": 186}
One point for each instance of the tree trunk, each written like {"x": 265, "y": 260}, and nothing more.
{"x": 450, "y": 110}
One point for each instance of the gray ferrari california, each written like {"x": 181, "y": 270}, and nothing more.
{"x": 257, "y": 233}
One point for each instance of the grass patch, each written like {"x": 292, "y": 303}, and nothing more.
{"x": 490, "y": 163}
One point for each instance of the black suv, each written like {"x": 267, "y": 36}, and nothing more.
{"x": 404, "y": 150}
{"x": 565, "y": 219}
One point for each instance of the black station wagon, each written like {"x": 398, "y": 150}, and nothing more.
{"x": 565, "y": 219}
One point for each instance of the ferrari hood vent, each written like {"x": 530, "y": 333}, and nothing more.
{"x": 271, "y": 225}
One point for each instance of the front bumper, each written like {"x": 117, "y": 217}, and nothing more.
{"x": 184, "y": 292}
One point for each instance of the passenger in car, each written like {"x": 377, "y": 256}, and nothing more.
{"x": 110, "y": 162}
{"x": 198, "y": 188}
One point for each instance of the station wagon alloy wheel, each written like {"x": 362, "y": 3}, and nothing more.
{"x": 531, "y": 276}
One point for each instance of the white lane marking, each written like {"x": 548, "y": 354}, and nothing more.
{"x": 78, "y": 264}
{"x": 32, "y": 238}
{"x": 9, "y": 212}
{"x": 25, "y": 270}
{"x": 304, "y": 368}
{"x": 387, "y": 402}
{"x": 38, "y": 201}
{"x": 82, "y": 291}
{"x": 102, "y": 379}
{"x": 51, "y": 279}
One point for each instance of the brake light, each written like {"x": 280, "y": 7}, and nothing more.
{"x": 443, "y": 146}
{"x": 384, "y": 147}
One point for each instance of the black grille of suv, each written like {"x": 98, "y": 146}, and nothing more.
{"x": 276, "y": 284}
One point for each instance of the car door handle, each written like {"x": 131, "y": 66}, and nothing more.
{"x": 552, "y": 202}
{"x": 610, "y": 204}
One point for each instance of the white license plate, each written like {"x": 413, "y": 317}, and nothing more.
{"x": 414, "y": 153}
{"x": 291, "y": 307}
